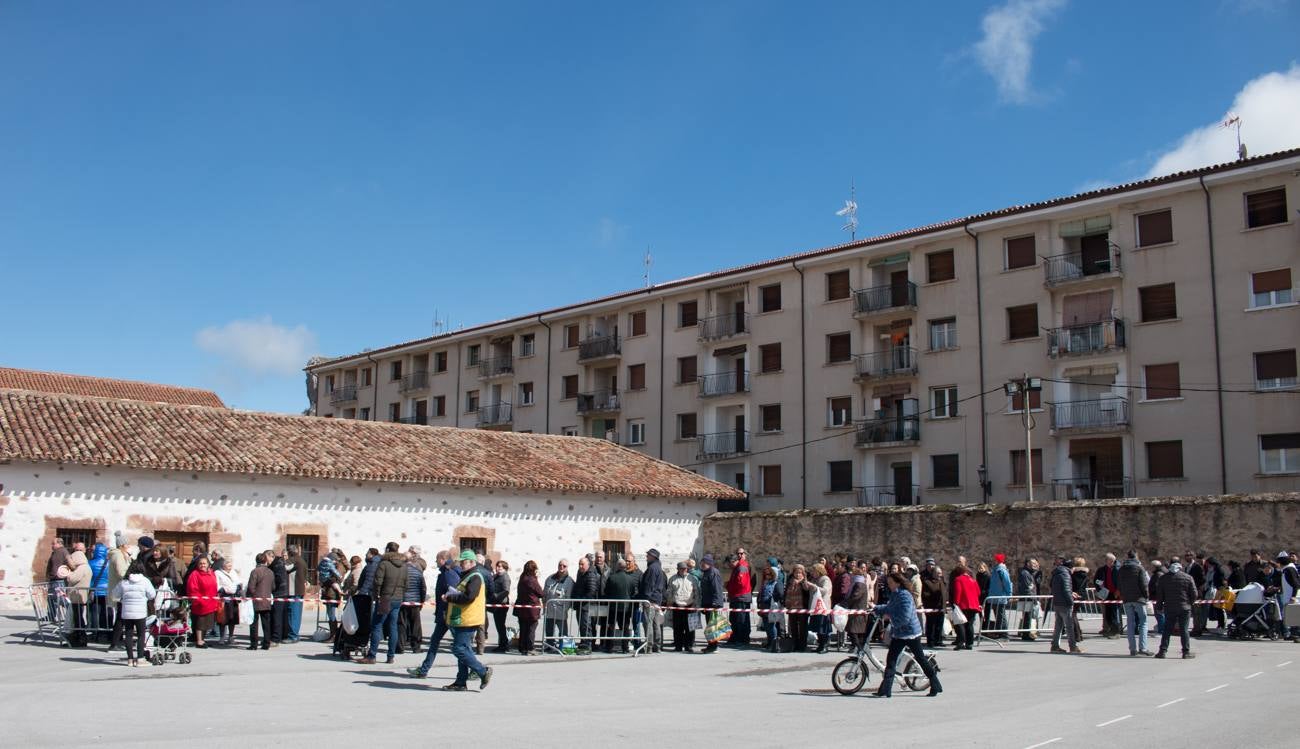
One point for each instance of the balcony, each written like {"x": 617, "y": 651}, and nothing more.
{"x": 723, "y": 326}
{"x": 420, "y": 420}
{"x": 1089, "y": 338}
{"x": 1095, "y": 415}
{"x": 879, "y": 300}
{"x": 1075, "y": 268}
{"x": 723, "y": 383}
{"x": 600, "y": 347}
{"x": 888, "y": 496}
{"x": 598, "y": 401}
{"x": 495, "y": 415}
{"x": 722, "y": 445}
{"x": 734, "y": 505}
{"x": 888, "y": 432}
{"x": 1091, "y": 488}
{"x": 895, "y": 363}
{"x": 497, "y": 366}
{"x": 343, "y": 394}
{"x": 414, "y": 381}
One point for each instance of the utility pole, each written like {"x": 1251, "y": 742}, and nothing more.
{"x": 1024, "y": 387}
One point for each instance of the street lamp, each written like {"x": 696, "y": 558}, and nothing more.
{"x": 986, "y": 488}
{"x": 1025, "y": 386}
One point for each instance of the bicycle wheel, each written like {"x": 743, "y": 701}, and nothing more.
{"x": 913, "y": 677}
{"x": 849, "y": 676}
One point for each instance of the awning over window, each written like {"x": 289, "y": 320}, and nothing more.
{"x": 886, "y": 391}
{"x": 730, "y": 350}
{"x": 1085, "y": 226}
{"x": 901, "y": 257}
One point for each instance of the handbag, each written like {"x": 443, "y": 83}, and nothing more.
{"x": 718, "y": 628}
{"x": 839, "y": 618}
{"x": 350, "y": 623}
{"x": 245, "y": 612}
{"x": 956, "y": 616}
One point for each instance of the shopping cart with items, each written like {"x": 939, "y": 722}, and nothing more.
{"x": 1251, "y": 614}
{"x": 169, "y": 632}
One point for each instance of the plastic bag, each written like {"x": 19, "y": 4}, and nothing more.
{"x": 245, "y": 613}
{"x": 718, "y": 629}
{"x": 839, "y": 618}
{"x": 817, "y": 607}
{"x": 956, "y": 616}
{"x": 350, "y": 623}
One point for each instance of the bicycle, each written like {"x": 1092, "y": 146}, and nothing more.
{"x": 851, "y": 674}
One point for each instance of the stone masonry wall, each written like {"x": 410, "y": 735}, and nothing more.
{"x": 1227, "y": 526}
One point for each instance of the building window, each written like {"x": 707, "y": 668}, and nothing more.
{"x": 943, "y": 402}
{"x": 839, "y": 348}
{"x": 394, "y": 411}
{"x": 473, "y": 354}
{"x": 841, "y": 472}
{"x": 1162, "y": 381}
{"x": 636, "y": 322}
{"x": 525, "y": 393}
{"x": 1018, "y": 467}
{"x": 439, "y": 405}
{"x": 568, "y": 431}
{"x": 349, "y": 413}
{"x": 476, "y": 545}
{"x": 686, "y": 426}
{"x": 769, "y": 480}
{"x": 770, "y": 416}
{"x": 527, "y": 344}
{"x": 570, "y": 336}
{"x": 569, "y": 387}
{"x": 1018, "y": 401}
{"x": 329, "y": 383}
{"x": 1158, "y": 302}
{"x": 440, "y": 361}
{"x": 471, "y": 402}
{"x": 686, "y": 366}
{"x": 770, "y": 298}
{"x": 840, "y": 411}
{"x": 943, "y": 334}
{"x": 1275, "y": 370}
{"x": 1020, "y": 252}
{"x": 769, "y": 357}
{"x": 943, "y": 471}
{"x": 308, "y": 549}
{"x": 1270, "y": 288}
{"x": 1266, "y": 207}
{"x": 1155, "y": 228}
{"x": 365, "y": 413}
{"x": 1279, "y": 453}
{"x": 367, "y": 377}
{"x": 940, "y": 266}
{"x": 636, "y": 377}
{"x": 837, "y": 285}
{"x": 73, "y": 536}
{"x": 1022, "y": 322}
{"x": 636, "y": 432}
{"x": 1165, "y": 460}
{"x": 688, "y": 314}
{"x": 395, "y": 371}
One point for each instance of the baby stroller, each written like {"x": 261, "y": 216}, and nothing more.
{"x": 1250, "y": 614}
{"x": 169, "y": 631}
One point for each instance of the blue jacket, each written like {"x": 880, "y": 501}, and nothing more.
{"x": 712, "y": 594}
{"x": 1000, "y": 582}
{"x": 447, "y": 579}
{"x": 99, "y": 570}
{"x": 415, "y": 590}
{"x": 901, "y": 610}
{"x": 366, "y": 585}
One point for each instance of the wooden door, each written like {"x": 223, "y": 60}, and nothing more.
{"x": 903, "y": 484}
{"x": 898, "y": 288}
{"x": 182, "y": 545}
{"x": 1094, "y": 254}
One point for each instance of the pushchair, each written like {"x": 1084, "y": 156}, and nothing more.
{"x": 1251, "y": 614}
{"x": 169, "y": 632}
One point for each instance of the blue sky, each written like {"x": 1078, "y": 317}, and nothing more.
{"x": 208, "y": 194}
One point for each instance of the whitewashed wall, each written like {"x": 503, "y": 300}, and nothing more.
{"x": 543, "y": 527}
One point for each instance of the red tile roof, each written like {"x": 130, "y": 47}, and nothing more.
{"x": 103, "y": 387}
{"x": 107, "y": 432}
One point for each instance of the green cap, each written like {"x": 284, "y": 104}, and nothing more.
{"x": 468, "y": 555}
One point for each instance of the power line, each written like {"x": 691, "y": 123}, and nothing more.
{"x": 1181, "y": 388}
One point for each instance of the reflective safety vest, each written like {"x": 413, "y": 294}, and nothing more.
{"x": 469, "y": 613}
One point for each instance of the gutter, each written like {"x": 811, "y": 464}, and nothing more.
{"x": 548, "y": 372}
{"x": 803, "y": 389}
{"x": 1218, "y": 358}
{"x": 979, "y": 346}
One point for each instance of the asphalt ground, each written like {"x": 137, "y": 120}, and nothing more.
{"x": 1019, "y": 696}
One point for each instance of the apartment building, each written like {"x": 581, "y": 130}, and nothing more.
{"x": 1160, "y": 317}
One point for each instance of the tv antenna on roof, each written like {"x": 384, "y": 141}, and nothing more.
{"x": 647, "y": 261}
{"x": 1234, "y": 121}
{"x": 440, "y": 324}
{"x": 850, "y": 213}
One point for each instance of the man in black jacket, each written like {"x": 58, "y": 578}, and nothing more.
{"x": 651, "y": 591}
{"x": 1175, "y": 594}
{"x": 1133, "y": 581}
{"x": 1063, "y": 598}
{"x": 297, "y": 568}
{"x": 279, "y": 608}
{"x": 586, "y": 588}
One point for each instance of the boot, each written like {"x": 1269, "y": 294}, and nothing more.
{"x": 823, "y": 642}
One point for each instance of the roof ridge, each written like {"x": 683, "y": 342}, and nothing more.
{"x": 101, "y": 378}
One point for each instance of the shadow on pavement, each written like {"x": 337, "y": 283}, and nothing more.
{"x": 105, "y": 661}
{"x": 396, "y": 685}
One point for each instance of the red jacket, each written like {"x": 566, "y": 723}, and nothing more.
{"x": 741, "y": 582}
{"x": 199, "y": 585}
{"x": 965, "y": 592}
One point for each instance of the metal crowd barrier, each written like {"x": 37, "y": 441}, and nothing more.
{"x": 1020, "y": 616}
{"x": 57, "y": 617}
{"x": 571, "y": 625}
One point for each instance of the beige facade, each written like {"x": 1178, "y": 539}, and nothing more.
{"x": 1161, "y": 334}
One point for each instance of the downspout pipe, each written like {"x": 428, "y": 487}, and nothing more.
{"x": 803, "y": 390}
{"x": 548, "y": 372}
{"x": 979, "y": 346}
{"x": 1218, "y": 358}
{"x": 374, "y": 389}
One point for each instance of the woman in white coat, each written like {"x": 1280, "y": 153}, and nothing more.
{"x": 135, "y": 593}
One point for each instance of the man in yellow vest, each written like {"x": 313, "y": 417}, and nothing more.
{"x": 465, "y": 615}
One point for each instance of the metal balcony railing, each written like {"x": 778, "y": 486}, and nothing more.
{"x": 1097, "y": 413}
{"x": 888, "y": 496}
{"x": 1089, "y": 338}
{"x": 598, "y": 401}
{"x": 897, "y": 361}
{"x": 1090, "y": 488}
{"x": 1072, "y": 266}
{"x": 597, "y": 347}
{"x": 722, "y": 444}
{"x": 494, "y": 415}
{"x": 723, "y": 383}
{"x": 343, "y": 394}
{"x": 723, "y": 326}
{"x": 884, "y": 298}
{"x": 414, "y": 420}
{"x": 496, "y": 366}
{"x": 414, "y": 381}
{"x": 887, "y": 430}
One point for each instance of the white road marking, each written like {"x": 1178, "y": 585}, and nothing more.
{"x": 1257, "y": 673}
{"x": 1215, "y": 689}
{"x": 1171, "y": 702}
{"x": 1284, "y": 663}
{"x": 1044, "y": 743}
{"x": 1114, "y": 720}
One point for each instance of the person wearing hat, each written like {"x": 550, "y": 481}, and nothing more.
{"x": 1063, "y": 598}
{"x": 1289, "y": 585}
{"x": 466, "y": 613}
{"x": 683, "y": 594}
{"x": 712, "y": 593}
{"x": 740, "y": 592}
{"x": 119, "y": 561}
{"x": 651, "y": 590}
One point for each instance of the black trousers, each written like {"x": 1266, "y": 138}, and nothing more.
{"x": 134, "y": 629}
{"x": 264, "y": 619}
{"x": 410, "y": 631}
{"x": 934, "y": 630}
{"x": 683, "y": 635}
{"x": 118, "y": 625}
{"x": 499, "y": 618}
{"x": 740, "y": 620}
{"x": 1183, "y": 621}
{"x": 798, "y": 624}
{"x": 279, "y": 621}
{"x": 527, "y": 635}
{"x": 913, "y": 646}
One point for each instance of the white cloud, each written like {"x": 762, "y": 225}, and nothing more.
{"x": 1269, "y": 108}
{"x": 259, "y": 346}
{"x": 1006, "y": 51}
{"x": 609, "y": 232}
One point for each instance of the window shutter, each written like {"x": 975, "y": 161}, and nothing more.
{"x": 571, "y": 336}
{"x": 1265, "y": 208}
{"x": 840, "y": 347}
{"x": 1280, "y": 441}
{"x": 638, "y": 323}
{"x": 686, "y": 369}
{"x": 1271, "y": 280}
{"x": 1275, "y": 365}
{"x": 772, "y": 418}
{"x": 689, "y": 314}
{"x": 570, "y": 386}
{"x": 1165, "y": 459}
{"x": 837, "y": 285}
{"x": 771, "y": 301}
{"x": 686, "y": 425}
{"x": 945, "y": 473}
{"x": 1020, "y": 252}
{"x": 1022, "y": 322}
{"x": 1035, "y": 400}
{"x": 1018, "y": 467}
{"x": 940, "y": 266}
{"x": 771, "y": 479}
{"x": 1163, "y": 381}
{"x": 1158, "y": 302}
{"x": 636, "y": 377}
{"x": 1155, "y": 228}
{"x": 770, "y": 354}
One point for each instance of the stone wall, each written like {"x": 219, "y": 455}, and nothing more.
{"x": 1227, "y": 526}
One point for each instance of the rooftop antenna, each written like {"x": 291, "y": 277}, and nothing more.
{"x": 850, "y": 213}
{"x": 647, "y": 261}
{"x": 1234, "y": 121}
{"x": 440, "y": 324}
